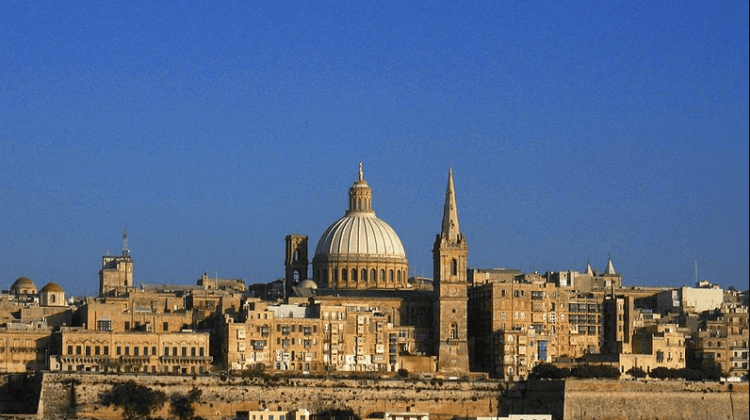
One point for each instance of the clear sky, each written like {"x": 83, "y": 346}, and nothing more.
{"x": 575, "y": 130}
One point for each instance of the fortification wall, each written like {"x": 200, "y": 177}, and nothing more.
{"x": 67, "y": 395}
{"x": 77, "y": 395}
{"x": 663, "y": 400}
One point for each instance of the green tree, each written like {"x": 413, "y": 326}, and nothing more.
{"x": 636, "y": 372}
{"x": 547, "y": 371}
{"x": 137, "y": 401}
{"x": 182, "y": 405}
{"x": 661, "y": 373}
{"x": 711, "y": 370}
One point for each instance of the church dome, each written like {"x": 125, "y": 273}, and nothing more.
{"x": 360, "y": 234}
{"x": 52, "y": 287}
{"x": 360, "y": 250}
{"x": 23, "y": 285}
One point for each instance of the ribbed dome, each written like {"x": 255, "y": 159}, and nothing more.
{"x": 362, "y": 234}
{"x": 360, "y": 251}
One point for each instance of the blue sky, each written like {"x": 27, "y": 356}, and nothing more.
{"x": 575, "y": 130}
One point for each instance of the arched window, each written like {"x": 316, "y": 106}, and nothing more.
{"x": 454, "y": 331}
{"x": 454, "y": 267}
{"x": 354, "y": 274}
{"x": 296, "y": 255}
{"x": 372, "y": 275}
{"x": 344, "y": 276}
{"x": 52, "y": 298}
{"x": 382, "y": 275}
{"x": 364, "y": 275}
{"x": 398, "y": 276}
{"x": 390, "y": 276}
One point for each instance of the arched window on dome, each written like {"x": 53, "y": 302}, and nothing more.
{"x": 390, "y": 276}
{"x": 382, "y": 275}
{"x": 344, "y": 275}
{"x": 372, "y": 275}
{"x": 398, "y": 276}
{"x": 354, "y": 274}
{"x": 52, "y": 298}
{"x": 454, "y": 267}
{"x": 364, "y": 275}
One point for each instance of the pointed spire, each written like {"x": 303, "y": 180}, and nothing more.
{"x": 589, "y": 271}
{"x": 450, "y": 230}
{"x": 610, "y": 270}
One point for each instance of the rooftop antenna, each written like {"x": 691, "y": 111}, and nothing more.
{"x": 125, "y": 250}
{"x": 696, "y": 271}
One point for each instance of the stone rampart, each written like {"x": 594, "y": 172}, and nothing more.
{"x": 651, "y": 400}
{"x": 77, "y": 395}
{"x": 66, "y": 395}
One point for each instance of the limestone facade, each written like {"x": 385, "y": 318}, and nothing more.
{"x": 185, "y": 352}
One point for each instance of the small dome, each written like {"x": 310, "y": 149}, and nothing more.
{"x": 52, "y": 287}
{"x": 308, "y": 284}
{"x": 23, "y": 285}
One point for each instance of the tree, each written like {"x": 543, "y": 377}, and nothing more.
{"x": 137, "y": 401}
{"x": 182, "y": 405}
{"x": 711, "y": 370}
{"x": 547, "y": 371}
{"x": 660, "y": 373}
{"x": 636, "y": 372}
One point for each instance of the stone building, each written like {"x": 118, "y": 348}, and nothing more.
{"x": 116, "y": 274}
{"x": 326, "y": 335}
{"x": 184, "y": 352}
{"x": 52, "y": 295}
{"x": 723, "y": 338}
{"x": 517, "y": 323}
{"x": 24, "y": 346}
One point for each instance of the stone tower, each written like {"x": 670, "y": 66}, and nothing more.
{"x": 450, "y": 263}
{"x": 295, "y": 261}
{"x": 116, "y": 275}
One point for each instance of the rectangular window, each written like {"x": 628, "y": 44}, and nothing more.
{"x": 165, "y": 326}
{"x": 70, "y": 349}
{"x": 127, "y": 350}
{"x": 166, "y": 351}
{"x": 153, "y": 350}
{"x": 201, "y": 352}
{"x": 97, "y": 350}
{"x": 119, "y": 350}
{"x": 106, "y": 350}
{"x": 78, "y": 349}
{"x": 135, "y": 351}
{"x": 88, "y": 350}
{"x": 104, "y": 325}
{"x": 127, "y": 326}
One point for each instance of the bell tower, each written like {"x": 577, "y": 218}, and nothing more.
{"x": 295, "y": 262}
{"x": 116, "y": 275}
{"x": 450, "y": 267}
